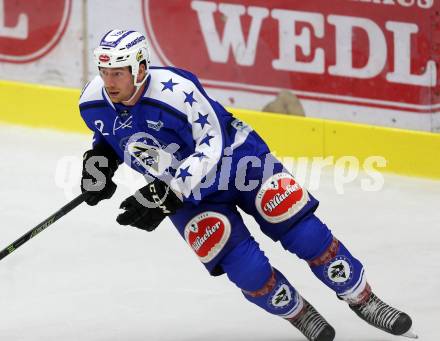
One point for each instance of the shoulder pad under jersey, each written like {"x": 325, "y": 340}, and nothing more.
{"x": 92, "y": 91}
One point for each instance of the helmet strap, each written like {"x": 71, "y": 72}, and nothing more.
{"x": 139, "y": 86}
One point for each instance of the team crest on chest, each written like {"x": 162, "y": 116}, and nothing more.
{"x": 207, "y": 234}
{"x": 152, "y": 158}
{"x": 280, "y": 198}
{"x": 123, "y": 121}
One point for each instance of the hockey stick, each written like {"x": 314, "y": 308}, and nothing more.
{"x": 43, "y": 225}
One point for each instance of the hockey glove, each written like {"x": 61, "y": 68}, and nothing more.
{"x": 99, "y": 166}
{"x": 149, "y": 206}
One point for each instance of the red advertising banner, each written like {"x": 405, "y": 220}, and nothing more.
{"x": 30, "y": 29}
{"x": 382, "y": 54}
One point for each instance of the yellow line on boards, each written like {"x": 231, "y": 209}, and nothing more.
{"x": 406, "y": 152}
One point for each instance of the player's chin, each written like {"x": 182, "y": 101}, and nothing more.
{"x": 115, "y": 97}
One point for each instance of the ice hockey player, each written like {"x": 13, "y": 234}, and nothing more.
{"x": 200, "y": 164}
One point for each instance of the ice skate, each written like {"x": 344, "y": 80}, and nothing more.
{"x": 312, "y": 324}
{"x": 380, "y": 315}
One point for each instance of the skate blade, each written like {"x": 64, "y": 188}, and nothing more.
{"x": 411, "y": 334}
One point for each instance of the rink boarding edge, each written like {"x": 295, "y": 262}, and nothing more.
{"x": 407, "y": 152}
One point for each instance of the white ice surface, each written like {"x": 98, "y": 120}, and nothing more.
{"x": 87, "y": 278}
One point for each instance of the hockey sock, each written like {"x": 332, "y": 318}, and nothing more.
{"x": 277, "y": 297}
{"x": 249, "y": 269}
{"x": 327, "y": 257}
{"x": 339, "y": 270}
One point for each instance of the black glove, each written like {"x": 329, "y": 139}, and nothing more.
{"x": 149, "y": 206}
{"x": 99, "y": 166}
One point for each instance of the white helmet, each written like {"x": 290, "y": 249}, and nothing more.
{"x": 119, "y": 48}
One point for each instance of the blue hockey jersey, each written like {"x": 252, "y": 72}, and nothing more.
{"x": 175, "y": 131}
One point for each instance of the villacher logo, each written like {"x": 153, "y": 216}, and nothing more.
{"x": 280, "y": 198}
{"x": 207, "y": 234}
{"x": 104, "y": 58}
